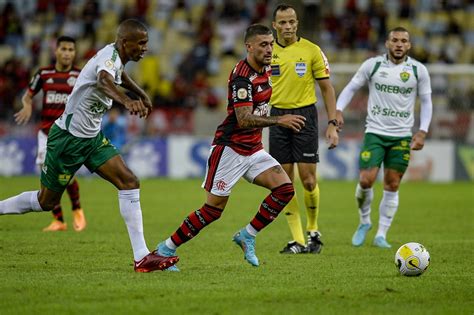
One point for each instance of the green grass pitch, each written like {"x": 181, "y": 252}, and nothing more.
{"x": 91, "y": 272}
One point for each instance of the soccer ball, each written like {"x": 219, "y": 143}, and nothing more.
{"x": 412, "y": 259}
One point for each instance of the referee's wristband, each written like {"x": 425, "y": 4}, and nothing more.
{"x": 333, "y": 122}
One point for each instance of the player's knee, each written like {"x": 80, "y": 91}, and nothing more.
{"x": 130, "y": 182}
{"x": 392, "y": 185}
{"x": 309, "y": 184}
{"x": 365, "y": 182}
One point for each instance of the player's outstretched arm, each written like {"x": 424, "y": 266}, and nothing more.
{"x": 24, "y": 115}
{"x": 105, "y": 82}
{"x": 248, "y": 120}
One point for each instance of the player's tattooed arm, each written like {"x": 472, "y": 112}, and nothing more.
{"x": 246, "y": 119}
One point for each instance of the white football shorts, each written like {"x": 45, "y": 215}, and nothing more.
{"x": 225, "y": 167}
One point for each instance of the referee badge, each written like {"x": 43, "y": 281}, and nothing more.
{"x": 300, "y": 68}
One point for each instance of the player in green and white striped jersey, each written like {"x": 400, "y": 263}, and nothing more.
{"x": 394, "y": 80}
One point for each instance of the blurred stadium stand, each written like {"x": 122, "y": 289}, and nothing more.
{"x": 195, "y": 43}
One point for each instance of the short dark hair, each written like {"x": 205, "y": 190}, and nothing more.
{"x": 397, "y": 29}
{"x": 282, "y": 7}
{"x": 129, "y": 26}
{"x": 256, "y": 29}
{"x": 65, "y": 38}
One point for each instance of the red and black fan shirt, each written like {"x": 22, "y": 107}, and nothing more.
{"x": 56, "y": 88}
{"x": 246, "y": 87}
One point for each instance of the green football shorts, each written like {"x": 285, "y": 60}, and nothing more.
{"x": 394, "y": 152}
{"x": 65, "y": 154}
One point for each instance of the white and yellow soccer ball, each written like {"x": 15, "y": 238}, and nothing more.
{"x": 412, "y": 259}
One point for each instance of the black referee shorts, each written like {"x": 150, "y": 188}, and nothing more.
{"x": 287, "y": 146}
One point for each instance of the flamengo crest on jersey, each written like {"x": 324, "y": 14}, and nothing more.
{"x": 87, "y": 104}
{"x": 392, "y": 93}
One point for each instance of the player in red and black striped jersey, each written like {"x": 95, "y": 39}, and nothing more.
{"x": 237, "y": 151}
{"x": 247, "y": 87}
{"x": 56, "y": 81}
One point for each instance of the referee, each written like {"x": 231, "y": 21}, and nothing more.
{"x": 296, "y": 63}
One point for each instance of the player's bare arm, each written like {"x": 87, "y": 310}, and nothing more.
{"x": 24, "y": 115}
{"x": 129, "y": 84}
{"x": 418, "y": 140}
{"x": 105, "y": 82}
{"x": 329, "y": 96}
{"x": 248, "y": 120}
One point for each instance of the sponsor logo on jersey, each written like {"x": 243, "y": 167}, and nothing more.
{"x": 56, "y": 98}
{"x": 275, "y": 56}
{"x": 261, "y": 110}
{"x": 300, "y": 68}
{"x": 253, "y": 77}
{"x": 377, "y": 110}
{"x": 50, "y": 81}
{"x": 404, "y": 76}
{"x": 98, "y": 108}
{"x": 383, "y": 74}
{"x": 393, "y": 89}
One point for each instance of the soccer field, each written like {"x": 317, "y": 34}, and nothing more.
{"x": 92, "y": 272}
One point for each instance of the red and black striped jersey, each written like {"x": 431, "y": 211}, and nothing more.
{"x": 56, "y": 86}
{"x": 246, "y": 87}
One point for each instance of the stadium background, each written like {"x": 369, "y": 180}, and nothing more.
{"x": 193, "y": 46}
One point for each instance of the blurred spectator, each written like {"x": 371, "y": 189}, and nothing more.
{"x": 114, "y": 126}
{"x": 11, "y": 29}
{"x": 90, "y": 16}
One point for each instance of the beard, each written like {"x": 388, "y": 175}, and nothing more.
{"x": 398, "y": 57}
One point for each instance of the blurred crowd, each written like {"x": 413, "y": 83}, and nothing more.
{"x": 194, "y": 43}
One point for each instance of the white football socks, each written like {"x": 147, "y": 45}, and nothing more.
{"x": 22, "y": 203}
{"x": 364, "y": 199}
{"x": 251, "y": 230}
{"x": 387, "y": 210}
{"x": 129, "y": 202}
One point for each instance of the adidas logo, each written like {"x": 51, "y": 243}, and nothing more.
{"x": 259, "y": 89}
{"x": 50, "y": 81}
